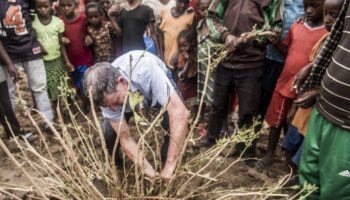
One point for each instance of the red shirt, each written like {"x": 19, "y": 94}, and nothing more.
{"x": 300, "y": 41}
{"x": 75, "y": 31}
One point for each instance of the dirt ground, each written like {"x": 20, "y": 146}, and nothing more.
{"x": 239, "y": 176}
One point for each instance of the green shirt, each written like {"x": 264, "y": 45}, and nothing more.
{"x": 48, "y": 36}
{"x": 2, "y": 73}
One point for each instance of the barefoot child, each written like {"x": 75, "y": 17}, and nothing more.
{"x": 185, "y": 63}
{"x": 297, "y": 47}
{"x": 292, "y": 143}
{"x": 49, "y": 30}
{"x": 174, "y": 21}
{"x": 74, "y": 37}
{"x": 101, "y": 34}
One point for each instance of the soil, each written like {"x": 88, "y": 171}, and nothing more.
{"x": 239, "y": 177}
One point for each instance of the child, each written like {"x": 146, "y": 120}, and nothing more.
{"x": 74, "y": 37}
{"x": 185, "y": 62}
{"x": 105, "y": 5}
{"x": 203, "y": 42}
{"x": 131, "y": 21}
{"x": 173, "y": 22}
{"x": 18, "y": 38}
{"x": 49, "y": 30}
{"x": 101, "y": 32}
{"x": 294, "y": 137}
{"x": 297, "y": 47}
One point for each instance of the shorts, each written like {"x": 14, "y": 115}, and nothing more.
{"x": 279, "y": 107}
{"x": 78, "y": 76}
{"x": 293, "y": 141}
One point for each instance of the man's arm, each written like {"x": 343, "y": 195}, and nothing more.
{"x": 114, "y": 11}
{"x": 178, "y": 120}
{"x": 130, "y": 148}
{"x": 8, "y": 62}
{"x": 214, "y": 20}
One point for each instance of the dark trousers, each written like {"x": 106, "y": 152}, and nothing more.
{"x": 247, "y": 84}
{"x": 6, "y": 112}
{"x": 111, "y": 136}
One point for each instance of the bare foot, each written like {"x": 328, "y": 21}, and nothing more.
{"x": 202, "y": 130}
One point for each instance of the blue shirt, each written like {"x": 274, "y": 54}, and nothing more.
{"x": 293, "y": 9}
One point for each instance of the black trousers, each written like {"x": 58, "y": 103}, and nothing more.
{"x": 111, "y": 136}
{"x": 247, "y": 84}
{"x": 6, "y": 112}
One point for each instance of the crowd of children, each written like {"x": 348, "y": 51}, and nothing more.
{"x": 62, "y": 39}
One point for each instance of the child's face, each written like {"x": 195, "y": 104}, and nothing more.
{"x": 94, "y": 17}
{"x": 68, "y": 7}
{"x": 105, "y": 4}
{"x": 184, "y": 45}
{"x": 43, "y": 8}
{"x": 203, "y": 8}
{"x": 331, "y": 12}
{"x": 313, "y": 10}
{"x": 181, "y": 5}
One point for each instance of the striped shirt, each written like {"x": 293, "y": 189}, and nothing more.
{"x": 334, "y": 99}
{"x": 240, "y": 16}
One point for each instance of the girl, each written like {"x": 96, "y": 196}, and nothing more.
{"x": 185, "y": 63}
{"x": 101, "y": 33}
{"x": 49, "y": 30}
{"x": 174, "y": 21}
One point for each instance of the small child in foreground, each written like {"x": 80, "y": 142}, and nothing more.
{"x": 297, "y": 47}
{"x": 292, "y": 142}
{"x": 185, "y": 63}
{"x": 74, "y": 38}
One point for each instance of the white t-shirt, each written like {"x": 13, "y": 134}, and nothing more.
{"x": 157, "y": 6}
{"x": 149, "y": 76}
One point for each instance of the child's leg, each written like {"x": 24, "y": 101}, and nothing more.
{"x": 276, "y": 117}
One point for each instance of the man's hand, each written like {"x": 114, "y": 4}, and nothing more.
{"x": 231, "y": 43}
{"x": 13, "y": 72}
{"x": 115, "y": 10}
{"x": 307, "y": 99}
{"x": 300, "y": 78}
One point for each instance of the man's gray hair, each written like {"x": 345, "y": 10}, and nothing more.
{"x": 101, "y": 79}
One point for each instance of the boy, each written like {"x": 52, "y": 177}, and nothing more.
{"x": 294, "y": 137}
{"x": 297, "y": 47}
{"x": 131, "y": 22}
{"x": 18, "y": 38}
{"x": 74, "y": 38}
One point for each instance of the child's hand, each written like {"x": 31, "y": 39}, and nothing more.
{"x": 88, "y": 40}
{"x": 185, "y": 55}
{"x": 70, "y": 67}
{"x": 300, "y": 78}
{"x": 307, "y": 99}
{"x": 65, "y": 40}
